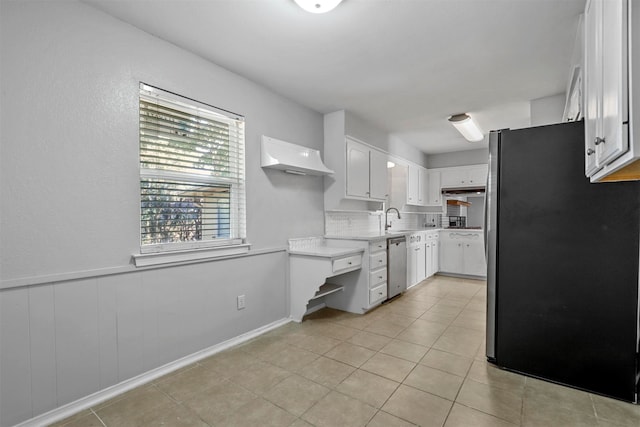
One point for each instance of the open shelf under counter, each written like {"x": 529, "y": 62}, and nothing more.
{"x": 327, "y": 289}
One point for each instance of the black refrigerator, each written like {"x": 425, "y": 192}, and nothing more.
{"x": 562, "y": 264}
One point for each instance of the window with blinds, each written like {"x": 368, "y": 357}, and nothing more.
{"x": 192, "y": 179}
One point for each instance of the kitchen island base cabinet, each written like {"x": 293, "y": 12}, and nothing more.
{"x": 463, "y": 253}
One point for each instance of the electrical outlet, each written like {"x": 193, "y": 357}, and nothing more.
{"x": 241, "y": 302}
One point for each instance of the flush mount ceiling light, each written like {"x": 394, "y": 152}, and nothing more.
{"x": 467, "y": 127}
{"x": 318, "y": 6}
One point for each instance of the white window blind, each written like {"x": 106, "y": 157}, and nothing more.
{"x": 192, "y": 177}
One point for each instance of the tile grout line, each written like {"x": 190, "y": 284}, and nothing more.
{"x": 98, "y": 417}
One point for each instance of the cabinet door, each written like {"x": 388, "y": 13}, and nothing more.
{"x": 411, "y": 266}
{"x": 592, "y": 82}
{"x": 478, "y": 175}
{"x": 357, "y": 169}
{"x": 451, "y": 259}
{"x": 613, "y": 142}
{"x": 413, "y": 186}
{"x": 435, "y": 256}
{"x": 434, "y": 189}
{"x": 378, "y": 175}
{"x": 379, "y": 293}
{"x": 428, "y": 259}
{"x": 421, "y": 272}
{"x": 452, "y": 178}
{"x": 474, "y": 258}
{"x": 423, "y": 186}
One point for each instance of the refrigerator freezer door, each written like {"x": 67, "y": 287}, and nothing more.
{"x": 566, "y": 279}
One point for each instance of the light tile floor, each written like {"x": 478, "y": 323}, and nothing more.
{"x": 418, "y": 360}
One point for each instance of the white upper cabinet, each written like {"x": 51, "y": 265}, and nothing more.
{"x": 606, "y": 70}
{"x": 434, "y": 188}
{"x": 478, "y": 175}
{"x": 464, "y": 176}
{"x": 413, "y": 186}
{"x": 366, "y": 172}
{"x": 592, "y": 83}
{"x": 614, "y": 73}
{"x": 357, "y": 169}
{"x": 378, "y": 174}
{"x": 421, "y": 187}
{"x": 612, "y": 152}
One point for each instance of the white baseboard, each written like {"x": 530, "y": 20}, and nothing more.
{"x": 87, "y": 402}
{"x": 315, "y": 308}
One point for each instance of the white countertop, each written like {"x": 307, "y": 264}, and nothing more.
{"x": 326, "y": 251}
{"x": 373, "y": 236}
{"x": 366, "y": 236}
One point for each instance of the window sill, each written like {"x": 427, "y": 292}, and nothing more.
{"x": 151, "y": 259}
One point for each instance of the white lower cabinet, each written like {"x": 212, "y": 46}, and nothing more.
{"x": 451, "y": 259}
{"x": 462, "y": 253}
{"x": 346, "y": 263}
{"x": 377, "y": 277}
{"x": 474, "y": 262}
{"x": 435, "y": 255}
{"x": 377, "y": 272}
{"x": 422, "y": 257}
{"x": 416, "y": 264}
{"x": 367, "y": 287}
{"x": 432, "y": 256}
{"x": 377, "y": 294}
{"x": 428, "y": 254}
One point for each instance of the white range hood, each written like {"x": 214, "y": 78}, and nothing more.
{"x": 291, "y": 158}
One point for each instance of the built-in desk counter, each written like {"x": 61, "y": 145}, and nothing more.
{"x": 311, "y": 263}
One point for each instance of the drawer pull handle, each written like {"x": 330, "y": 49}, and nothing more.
{"x": 590, "y": 151}
{"x": 350, "y": 262}
{"x": 599, "y": 141}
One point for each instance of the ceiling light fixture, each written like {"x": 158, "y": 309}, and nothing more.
{"x": 318, "y": 6}
{"x": 467, "y": 127}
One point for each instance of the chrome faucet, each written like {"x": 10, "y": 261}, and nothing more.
{"x": 386, "y": 223}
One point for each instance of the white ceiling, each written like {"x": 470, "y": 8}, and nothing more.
{"x": 402, "y": 65}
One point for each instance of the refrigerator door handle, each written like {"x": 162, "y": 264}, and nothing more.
{"x": 490, "y": 239}
{"x": 485, "y": 220}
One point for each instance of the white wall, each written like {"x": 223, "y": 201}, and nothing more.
{"x": 458, "y": 158}
{"x": 70, "y": 209}
{"x": 547, "y": 110}
{"x": 475, "y": 212}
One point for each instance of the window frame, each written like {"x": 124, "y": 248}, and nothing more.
{"x": 162, "y": 252}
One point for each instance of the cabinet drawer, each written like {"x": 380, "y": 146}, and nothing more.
{"x": 377, "y": 294}
{"x": 377, "y": 260}
{"x": 347, "y": 262}
{"x": 377, "y": 276}
{"x": 378, "y": 246}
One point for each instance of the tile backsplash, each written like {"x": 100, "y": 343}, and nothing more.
{"x": 341, "y": 223}
{"x": 349, "y": 223}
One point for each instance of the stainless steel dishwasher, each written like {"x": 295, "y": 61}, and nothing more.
{"x": 396, "y": 266}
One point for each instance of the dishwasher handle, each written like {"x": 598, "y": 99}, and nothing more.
{"x": 396, "y": 241}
